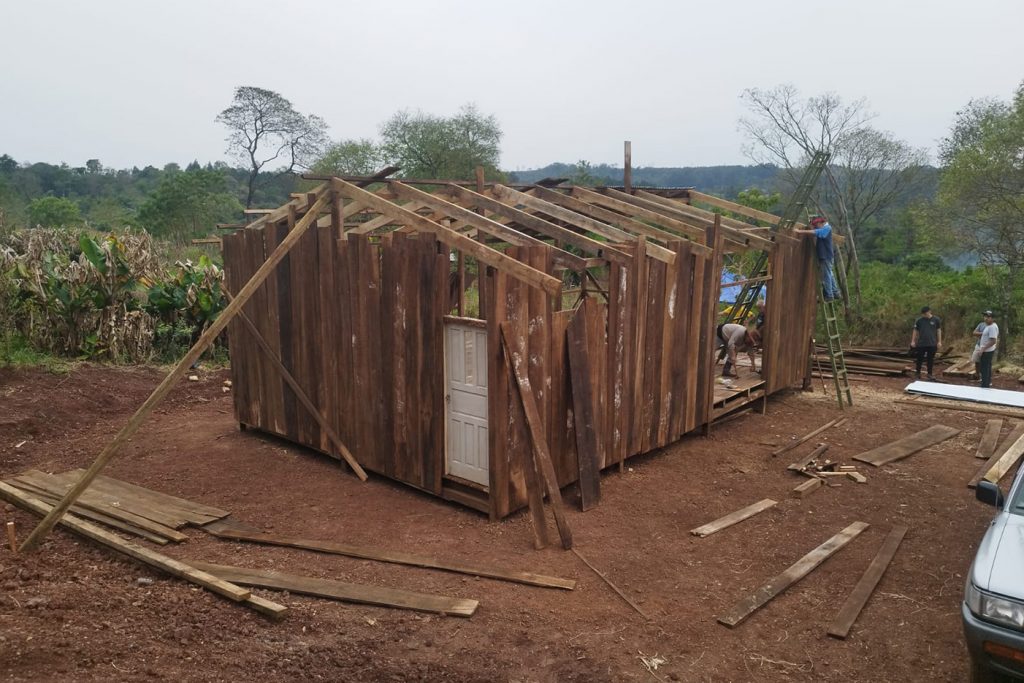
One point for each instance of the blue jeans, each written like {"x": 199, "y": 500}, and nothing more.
{"x": 828, "y": 280}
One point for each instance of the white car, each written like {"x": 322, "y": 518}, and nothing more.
{"x": 993, "y": 607}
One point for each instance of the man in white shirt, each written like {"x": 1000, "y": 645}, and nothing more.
{"x": 987, "y": 346}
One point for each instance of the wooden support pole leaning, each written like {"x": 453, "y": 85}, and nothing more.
{"x": 299, "y": 392}
{"x": 126, "y": 433}
{"x": 851, "y": 609}
{"x": 536, "y": 429}
{"x": 811, "y": 435}
{"x": 613, "y": 586}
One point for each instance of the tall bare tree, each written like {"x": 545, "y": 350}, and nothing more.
{"x": 869, "y": 169}
{"x": 264, "y": 128}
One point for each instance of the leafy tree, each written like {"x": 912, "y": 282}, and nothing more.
{"x": 868, "y": 171}
{"x": 755, "y": 198}
{"x": 188, "y": 203}
{"x": 53, "y": 212}
{"x": 350, "y": 157}
{"x": 583, "y": 174}
{"x": 982, "y": 189}
{"x": 265, "y": 129}
{"x": 428, "y": 146}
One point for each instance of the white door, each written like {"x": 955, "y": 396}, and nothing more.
{"x": 465, "y": 352}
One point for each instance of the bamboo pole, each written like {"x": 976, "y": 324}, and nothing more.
{"x": 54, "y": 515}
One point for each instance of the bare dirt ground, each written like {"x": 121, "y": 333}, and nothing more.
{"x": 75, "y": 611}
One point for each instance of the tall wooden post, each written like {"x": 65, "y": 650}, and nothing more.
{"x": 627, "y": 169}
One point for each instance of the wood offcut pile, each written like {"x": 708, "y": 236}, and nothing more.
{"x": 158, "y": 517}
{"x": 885, "y": 361}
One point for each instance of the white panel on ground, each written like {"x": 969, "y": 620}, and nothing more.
{"x": 958, "y": 392}
{"x": 465, "y": 351}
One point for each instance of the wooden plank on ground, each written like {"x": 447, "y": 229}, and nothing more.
{"x": 340, "y": 590}
{"x": 801, "y": 464}
{"x": 807, "y": 488}
{"x": 144, "y": 555}
{"x": 924, "y": 403}
{"x": 733, "y": 518}
{"x": 989, "y": 438}
{"x": 804, "y": 566}
{"x": 536, "y": 429}
{"x": 907, "y": 446}
{"x": 193, "y": 354}
{"x": 1015, "y": 434}
{"x": 793, "y": 444}
{"x": 229, "y": 530}
{"x": 1010, "y": 456}
{"x": 583, "y": 412}
{"x": 851, "y": 609}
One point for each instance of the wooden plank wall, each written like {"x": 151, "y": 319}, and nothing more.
{"x": 359, "y": 323}
{"x": 360, "y": 326}
{"x": 790, "y": 313}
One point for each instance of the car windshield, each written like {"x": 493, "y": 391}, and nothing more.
{"x": 1016, "y": 506}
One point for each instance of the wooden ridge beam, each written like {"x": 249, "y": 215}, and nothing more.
{"x": 455, "y": 240}
{"x": 207, "y": 338}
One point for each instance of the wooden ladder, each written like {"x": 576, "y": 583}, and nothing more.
{"x": 835, "y": 350}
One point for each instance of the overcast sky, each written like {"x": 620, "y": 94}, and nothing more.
{"x": 135, "y": 82}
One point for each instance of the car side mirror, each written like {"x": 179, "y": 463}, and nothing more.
{"x": 989, "y": 493}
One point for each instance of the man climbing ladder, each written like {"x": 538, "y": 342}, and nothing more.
{"x": 826, "y": 253}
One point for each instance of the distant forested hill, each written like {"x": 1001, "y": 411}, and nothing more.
{"x": 724, "y": 181}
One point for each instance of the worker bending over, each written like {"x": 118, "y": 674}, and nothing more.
{"x": 733, "y": 337}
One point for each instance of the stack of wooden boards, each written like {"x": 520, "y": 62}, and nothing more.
{"x": 882, "y": 361}
{"x": 157, "y": 517}
{"x": 139, "y": 511}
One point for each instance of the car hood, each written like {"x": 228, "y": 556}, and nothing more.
{"x": 997, "y": 565}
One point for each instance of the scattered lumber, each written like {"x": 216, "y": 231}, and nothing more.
{"x": 1015, "y": 435}
{"x": 867, "y": 361}
{"x": 857, "y": 477}
{"x": 804, "y": 566}
{"x": 144, "y": 555}
{"x": 172, "y": 378}
{"x": 793, "y": 444}
{"x": 230, "y": 530}
{"x": 807, "y": 488}
{"x": 907, "y": 446}
{"x": 851, "y": 609}
{"x": 964, "y": 368}
{"x": 733, "y": 518}
{"x": 807, "y": 461}
{"x": 612, "y": 585}
{"x": 1007, "y": 460}
{"x": 924, "y": 403}
{"x": 989, "y": 439}
{"x": 340, "y": 590}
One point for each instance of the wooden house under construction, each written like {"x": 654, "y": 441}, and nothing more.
{"x": 403, "y": 315}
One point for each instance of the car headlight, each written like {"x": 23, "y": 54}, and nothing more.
{"x": 993, "y": 608}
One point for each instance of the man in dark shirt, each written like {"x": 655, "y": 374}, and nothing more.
{"x": 825, "y": 251}
{"x": 926, "y": 340}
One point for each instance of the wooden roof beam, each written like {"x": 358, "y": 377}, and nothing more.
{"x": 482, "y": 253}
{"x": 712, "y": 200}
{"x": 729, "y": 224}
{"x": 619, "y": 228}
{"x": 557, "y": 232}
{"x": 484, "y": 225}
